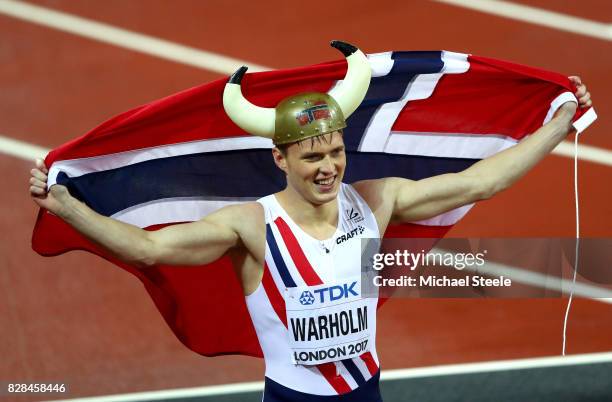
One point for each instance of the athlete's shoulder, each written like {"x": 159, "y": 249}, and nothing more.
{"x": 373, "y": 190}
{"x": 239, "y": 216}
{"x": 380, "y": 195}
{"x": 247, "y": 221}
{"x": 249, "y": 207}
{"x": 251, "y": 211}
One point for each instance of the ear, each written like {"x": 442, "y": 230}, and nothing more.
{"x": 279, "y": 159}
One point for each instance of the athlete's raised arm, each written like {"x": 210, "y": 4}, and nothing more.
{"x": 193, "y": 243}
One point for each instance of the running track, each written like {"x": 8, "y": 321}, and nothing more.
{"x": 78, "y": 320}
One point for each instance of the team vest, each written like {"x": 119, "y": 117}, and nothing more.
{"x": 315, "y": 329}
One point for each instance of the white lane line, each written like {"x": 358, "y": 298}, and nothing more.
{"x": 588, "y": 153}
{"x": 500, "y": 365}
{"x": 124, "y": 38}
{"x": 20, "y": 149}
{"x": 537, "y": 279}
{"x": 386, "y": 375}
{"x": 538, "y": 16}
{"x": 602, "y": 156}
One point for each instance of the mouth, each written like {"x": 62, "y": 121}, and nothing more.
{"x": 326, "y": 184}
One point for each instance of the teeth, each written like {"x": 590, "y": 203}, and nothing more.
{"x": 326, "y": 181}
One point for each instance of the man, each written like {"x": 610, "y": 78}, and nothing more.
{"x": 294, "y": 250}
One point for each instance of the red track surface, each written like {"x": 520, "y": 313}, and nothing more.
{"x": 76, "y": 319}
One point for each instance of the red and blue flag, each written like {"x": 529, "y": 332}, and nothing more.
{"x": 179, "y": 158}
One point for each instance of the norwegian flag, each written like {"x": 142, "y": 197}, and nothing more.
{"x": 316, "y": 112}
{"x": 180, "y": 158}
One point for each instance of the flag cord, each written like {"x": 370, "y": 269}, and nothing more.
{"x": 569, "y": 301}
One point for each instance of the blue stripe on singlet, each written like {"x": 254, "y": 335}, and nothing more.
{"x": 354, "y": 370}
{"x": 278, "y": 259}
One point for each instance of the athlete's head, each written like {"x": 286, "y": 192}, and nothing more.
{"x": 306, "y": 129}
{"x": 314, "y": 166}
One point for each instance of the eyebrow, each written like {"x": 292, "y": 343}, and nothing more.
{"x": 313, "y": 154}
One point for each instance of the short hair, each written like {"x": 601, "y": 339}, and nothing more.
{"x": 327, "y": 138}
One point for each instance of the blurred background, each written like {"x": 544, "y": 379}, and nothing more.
{"x": 78, "y": 320}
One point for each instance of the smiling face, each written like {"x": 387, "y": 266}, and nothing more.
{"x": 314, "y": 167}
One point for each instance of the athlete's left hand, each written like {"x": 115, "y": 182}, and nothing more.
{"x": 582, "y": 94}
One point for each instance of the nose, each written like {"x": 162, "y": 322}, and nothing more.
{"x": 327, "y": 165}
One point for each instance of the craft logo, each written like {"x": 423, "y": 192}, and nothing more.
{"x": 306, "y": 299}
{"x": 320, "y": 110}
{"x": 349, "y": 235}
{"x": 353, "y": 215}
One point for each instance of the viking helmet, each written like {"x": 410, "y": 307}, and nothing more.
{"x": 304, "y": 115}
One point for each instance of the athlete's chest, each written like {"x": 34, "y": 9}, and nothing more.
{"x": 296, "y": 257}
{"x": 333, "y": 259}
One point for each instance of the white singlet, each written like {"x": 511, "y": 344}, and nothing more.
{"x": 316, "y": 332}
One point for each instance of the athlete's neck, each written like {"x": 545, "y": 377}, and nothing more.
{"x": 323, "y": 217}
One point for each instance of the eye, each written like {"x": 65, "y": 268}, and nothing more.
{"x": 312, "y": 158}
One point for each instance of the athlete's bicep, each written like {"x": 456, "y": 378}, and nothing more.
{"x": 199, "y": 242}
{"x": 426, "y": 198}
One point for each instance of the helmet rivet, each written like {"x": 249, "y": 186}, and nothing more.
{"x": 301, "y": 131}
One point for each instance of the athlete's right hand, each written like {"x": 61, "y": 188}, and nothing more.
{"x": 53, "y": 200}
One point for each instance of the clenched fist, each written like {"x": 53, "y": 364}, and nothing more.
{"x": 55, "y": 199}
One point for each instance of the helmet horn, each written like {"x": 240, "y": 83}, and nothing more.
{"x": 349, "y": 93}
{"x": 251, "y": 118}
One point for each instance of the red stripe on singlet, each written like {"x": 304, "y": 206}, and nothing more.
{"x": 336, "y": 381}
{"x": 276, "y": 299}
{"x": 297, "y": 255}
{"x": 369, "y": 361}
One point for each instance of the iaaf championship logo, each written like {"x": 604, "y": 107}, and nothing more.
{"x": 319, "y": 111}
{"x": 353, "y": 215}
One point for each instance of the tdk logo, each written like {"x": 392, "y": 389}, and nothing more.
{"x": 307, "y": 298}
{"x": 336, "y": 292}
{"x": 342, "y": 238}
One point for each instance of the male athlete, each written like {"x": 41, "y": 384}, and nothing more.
{"x": 295, "y": 251}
